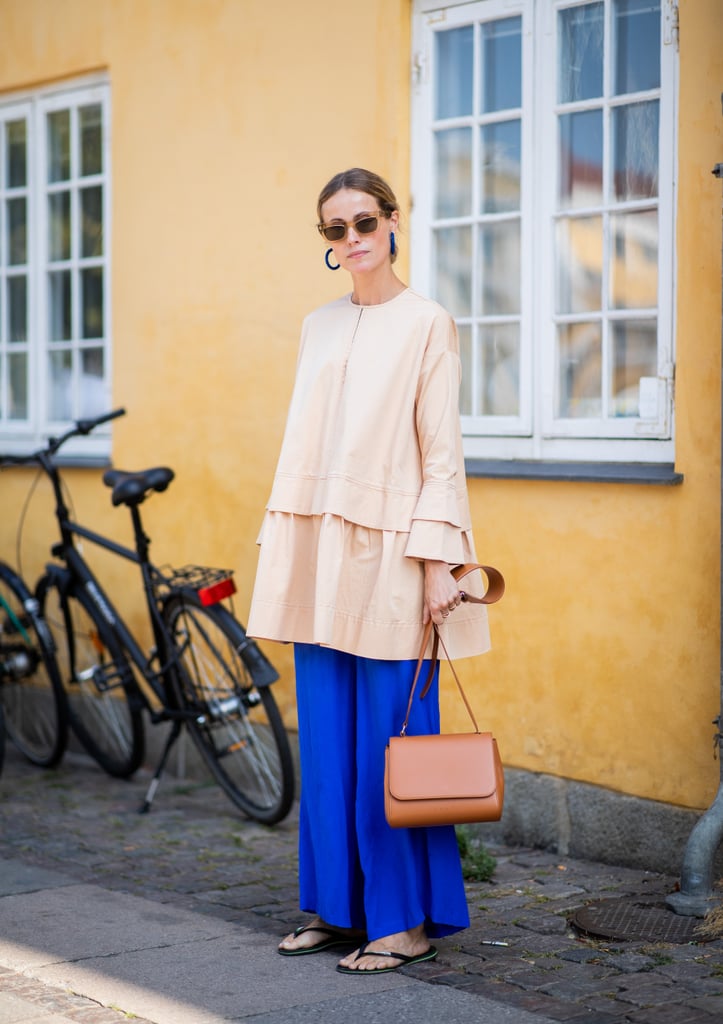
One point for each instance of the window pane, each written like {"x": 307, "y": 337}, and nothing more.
{"x": 92, "y": 391}
{"x": 18, "y": 381}
{"x": 60, "y": 368}
{"x": 580, "y": 371}
{"x": 635, "y": 150}
{"x": 59, "y": 226}
{"x": 500, "y": 262}
{"x": 17, "y": 224}
{"x": 91, "y": 209}
{"x": 580, "y": 61}
{"x": 634, "y": 260}
{"x": 454, "y": 72}
{"x": 465, "y": 355}
{"x": 579, "y": 264}
{"x": 636, "y": 34}
{"x": 581, "y": 158}
{"x": 500, "y": 354}
{"x": 454, "y": 172}
{"x": 501, "y": 158}
{"x": 91, "y": 150}
{"x": 453, "y": 269}
{"x": 635, "y": 355}
{"x": 59, "y": 145}
{"x": 59, "y": 306}
{"x": 15, "y": 141}
{"x": 501, "y": 65}
{"x": 18, "y": 308}
{"x": 92, "y": 302}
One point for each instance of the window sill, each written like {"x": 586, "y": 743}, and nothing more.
{"x": 62, "y": 461}
{"x": 663, "y": 474}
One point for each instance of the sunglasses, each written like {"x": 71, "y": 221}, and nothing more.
{"x": 364, "y": 225}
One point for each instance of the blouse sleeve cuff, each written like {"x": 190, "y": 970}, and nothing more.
{"x": 438, "y": 541}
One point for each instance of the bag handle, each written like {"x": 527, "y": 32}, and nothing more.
{"x": 495, "y": 590}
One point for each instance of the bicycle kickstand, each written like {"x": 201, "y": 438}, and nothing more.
{"x": 151, "y": 792}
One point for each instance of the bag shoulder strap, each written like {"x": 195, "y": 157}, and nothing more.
{"x": 495, "y": 590}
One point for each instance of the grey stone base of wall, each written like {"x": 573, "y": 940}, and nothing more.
{"x": 574, "y": 819}
{"x": 580, "y": 820}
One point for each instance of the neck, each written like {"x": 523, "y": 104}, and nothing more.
{"x": 374, "y": 290}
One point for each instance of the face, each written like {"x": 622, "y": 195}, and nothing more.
{"x": 359, "y": 253}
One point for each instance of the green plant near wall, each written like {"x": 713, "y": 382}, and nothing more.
{"x": 477, "y": 864}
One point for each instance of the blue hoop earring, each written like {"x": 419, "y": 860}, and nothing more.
{"x": 392, "y": 244}
{"x": 326, "y": 260}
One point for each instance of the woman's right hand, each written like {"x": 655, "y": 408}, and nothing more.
{"x": 441, "y": 592}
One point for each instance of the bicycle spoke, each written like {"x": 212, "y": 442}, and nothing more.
{"x": 236, "y": 727}
{"x": 31, "y": 691}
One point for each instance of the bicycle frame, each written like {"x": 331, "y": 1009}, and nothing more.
{"x": 76, "y": 568}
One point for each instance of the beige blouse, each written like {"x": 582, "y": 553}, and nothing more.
{"x": 370, "y": 481}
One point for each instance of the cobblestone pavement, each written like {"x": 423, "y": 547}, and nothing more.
{"x": 193, "y": 850}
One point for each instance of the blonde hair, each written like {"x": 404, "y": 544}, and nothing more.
{"x": 360, "y": 180}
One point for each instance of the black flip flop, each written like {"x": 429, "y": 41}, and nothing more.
{"x": 334, "y": 939}
{"x": 407, "y": 961}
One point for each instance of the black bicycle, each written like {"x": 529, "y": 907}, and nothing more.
{"x": 32, "y": 701}
{"x": 202, "y": 672}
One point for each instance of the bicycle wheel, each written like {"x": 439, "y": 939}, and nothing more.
{"x": 236, "y": 726}
{"x": 104, "y": 708}
{"x": 36, "y": 716}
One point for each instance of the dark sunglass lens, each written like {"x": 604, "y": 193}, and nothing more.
{"x": 366, "y": 225}
{"x": 334, "y": 232}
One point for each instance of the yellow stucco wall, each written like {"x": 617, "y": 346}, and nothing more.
{"x": 227, "y": 117}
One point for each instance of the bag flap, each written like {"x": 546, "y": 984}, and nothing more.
{"x": 455, "y": 765}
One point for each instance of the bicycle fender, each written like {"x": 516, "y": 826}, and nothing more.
{"x": 262, "y": 671}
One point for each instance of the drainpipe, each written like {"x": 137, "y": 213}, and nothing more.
{"x": 695, "y": 897}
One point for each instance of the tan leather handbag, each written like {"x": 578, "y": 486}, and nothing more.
{"x": 447, "y": 779}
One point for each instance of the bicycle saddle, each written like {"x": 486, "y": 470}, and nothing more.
{"x": 131, "y": 488}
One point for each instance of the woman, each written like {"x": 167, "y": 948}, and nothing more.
{"x": 368, "y": 513}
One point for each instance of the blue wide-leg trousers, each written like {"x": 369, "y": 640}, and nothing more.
{"x": 354, "y": 870}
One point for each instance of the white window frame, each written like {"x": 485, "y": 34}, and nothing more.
{"x": 23, "y": 436}
{"x": 535, "y": 434}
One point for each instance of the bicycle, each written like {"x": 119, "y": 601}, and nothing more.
{"x": 32, "y": 699}
{"x": 202, "y": 671}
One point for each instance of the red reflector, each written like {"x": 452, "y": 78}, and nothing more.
{"x": 217, "y": 591}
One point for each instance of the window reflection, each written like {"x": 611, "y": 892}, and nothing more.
{"x": 581, "y": 159}
{"x": 580, "y": 67}
{"x": 579, "y": 264}
{"x": 500, "y": 267}
{"x": 636, "y": 45}
{"x": 15, "y": 145}
{"x": 634, "y": 260}
{"x": 501, "y": 166}
{"x": 454, "y": 172}
{"x": 500, "y": 358}
{"x": 635, "y": 348}
{"x": 453, "y": 269}
{"x": 635, "y": 150}
{"x": 59, "y": 145}
{"x": 454, "y": 72}
{"x": 501, "y": 65}
{"x": 580, "y": 371}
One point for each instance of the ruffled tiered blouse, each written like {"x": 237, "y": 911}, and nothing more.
{"x": 369, "y": 483}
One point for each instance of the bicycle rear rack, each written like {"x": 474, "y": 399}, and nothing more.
{"x": 211, "y": 585}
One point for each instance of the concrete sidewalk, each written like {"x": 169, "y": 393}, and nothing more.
{"x": 174, "y": 917}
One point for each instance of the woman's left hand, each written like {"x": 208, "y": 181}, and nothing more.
{"x": 441, "y": 593}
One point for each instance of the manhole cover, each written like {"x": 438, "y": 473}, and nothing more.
{"x": 634, "y": 918}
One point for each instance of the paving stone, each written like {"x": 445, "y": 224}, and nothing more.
{"x": 671, "y": 1014}
{"x": 193, "y": 850}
